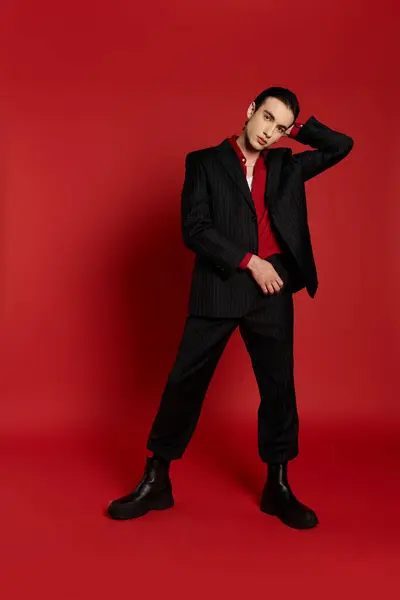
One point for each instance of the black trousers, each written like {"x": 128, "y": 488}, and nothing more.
{"x": 267, "y": 330}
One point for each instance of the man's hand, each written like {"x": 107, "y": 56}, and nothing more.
{"x": 265, "y": 275}
{"x": 287, "y": 132}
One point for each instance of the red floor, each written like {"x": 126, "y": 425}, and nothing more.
{"x": 56, "y": 543}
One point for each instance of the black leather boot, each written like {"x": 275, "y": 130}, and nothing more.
{"x": 279, "y": 500}
{"x": 154, "y": 492}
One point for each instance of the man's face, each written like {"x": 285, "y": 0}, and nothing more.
{"x": 266, "y": 125}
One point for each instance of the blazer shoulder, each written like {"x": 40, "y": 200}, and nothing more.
{"x": 283, "y": 152}
{"x": 201, "y": 153}
{"x": 279, "y": 155}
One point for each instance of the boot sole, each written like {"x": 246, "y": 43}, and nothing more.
{"x": 270, "y": 511}
{"x": 129, "y": 514}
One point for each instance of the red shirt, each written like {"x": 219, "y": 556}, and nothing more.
{"x": 267, "y": 242}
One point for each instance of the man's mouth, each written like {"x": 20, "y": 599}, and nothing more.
{"x": 261, "y": 141}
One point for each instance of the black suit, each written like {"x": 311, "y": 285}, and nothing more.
{"x": 219, "y": 224}
{"x": 219, "y": 219}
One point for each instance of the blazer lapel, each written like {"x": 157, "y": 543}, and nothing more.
{"x": 227, "y": 157}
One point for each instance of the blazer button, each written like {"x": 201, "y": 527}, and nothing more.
{"x": 254, "y": 217}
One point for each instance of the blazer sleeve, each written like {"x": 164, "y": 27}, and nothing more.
{"x": 330, "y": 148}
{"x": 196, "y": 220}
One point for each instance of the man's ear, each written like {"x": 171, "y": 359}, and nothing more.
{"x": 251, "y": 110}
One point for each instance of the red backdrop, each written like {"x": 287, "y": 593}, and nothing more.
{"x": 100, "y": 104}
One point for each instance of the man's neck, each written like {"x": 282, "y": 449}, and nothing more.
{"x": 249, "y": 152}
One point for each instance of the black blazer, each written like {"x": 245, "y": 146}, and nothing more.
{"x": 219, "y": 221}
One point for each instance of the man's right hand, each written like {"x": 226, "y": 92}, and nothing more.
{"x": 265, "y": 275}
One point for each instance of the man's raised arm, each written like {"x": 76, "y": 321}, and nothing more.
{"x": 330, "y": 147}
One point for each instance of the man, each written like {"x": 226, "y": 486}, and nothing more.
{"x": 244, "y": 215}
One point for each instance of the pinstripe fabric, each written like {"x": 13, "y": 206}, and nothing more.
{"x": 267, "y": 330}
{"x": 219, "y": 224}
{"x": 219, "y": 221}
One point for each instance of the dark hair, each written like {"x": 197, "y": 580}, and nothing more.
{"x": 288, "y": 98}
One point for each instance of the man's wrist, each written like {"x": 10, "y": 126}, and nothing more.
{"x": 253, "y": 260}
{"x": 295, "y": 129}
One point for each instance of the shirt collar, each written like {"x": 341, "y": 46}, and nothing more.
{"x": 236, "y": 147}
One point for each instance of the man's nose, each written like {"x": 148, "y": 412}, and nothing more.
{"x": 268, "y": 131}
